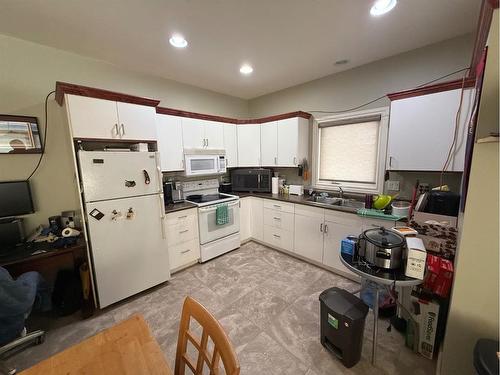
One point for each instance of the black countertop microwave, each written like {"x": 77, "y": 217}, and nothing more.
{"x": 251, "y": 180}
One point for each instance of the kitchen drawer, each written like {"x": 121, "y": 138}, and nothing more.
{"x": 279, "y": 238}
{"x": 278, "y": 205}
{"x": 343, "y": 218}
{"x": 309, "y": 211}
{"x": 278, "y": 219}
{"x": 183, "y": 254}
{"x": 181, "y": 226}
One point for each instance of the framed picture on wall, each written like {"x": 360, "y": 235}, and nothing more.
{"x": 19, "y": 135}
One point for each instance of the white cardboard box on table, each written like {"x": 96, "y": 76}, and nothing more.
{"x": 417, "y": 255}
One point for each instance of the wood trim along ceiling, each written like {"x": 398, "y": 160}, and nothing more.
{"x": 431, "y": 89}
{"x": 70, "y": 88}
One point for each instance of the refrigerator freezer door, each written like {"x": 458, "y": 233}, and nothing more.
{"x": 128, "y": 245}
{"x": 111, "y": 175}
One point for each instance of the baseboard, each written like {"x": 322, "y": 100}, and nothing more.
{"x": 354, "y": 278}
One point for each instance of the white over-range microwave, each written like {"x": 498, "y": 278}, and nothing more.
{"x": 204, "y": 162}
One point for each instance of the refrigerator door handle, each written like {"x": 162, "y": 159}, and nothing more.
{"x": 147, "y": 179}
{"x": 162, "y": 215}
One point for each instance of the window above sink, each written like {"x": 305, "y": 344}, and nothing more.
{"x": 349, "y": 151}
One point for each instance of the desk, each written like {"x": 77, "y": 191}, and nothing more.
{"x": 380, "y": 277}
{"x": 126, "y": 348}
{"x": 48, "y": 262}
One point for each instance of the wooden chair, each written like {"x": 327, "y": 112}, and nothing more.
{"x": 211, "y": 328}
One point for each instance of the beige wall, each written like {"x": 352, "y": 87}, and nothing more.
{"x": 475, "y": 295}
{"x": 359, "y": 85}
{"x": 28, "y": 71}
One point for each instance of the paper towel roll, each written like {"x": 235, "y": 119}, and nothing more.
{"x": 275, "y": 185}
{"x": 70, "y": 232}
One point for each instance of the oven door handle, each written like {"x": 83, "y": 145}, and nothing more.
{"x": 213, "y": 208}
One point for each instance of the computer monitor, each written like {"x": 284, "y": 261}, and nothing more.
{"x": 15, "y": 199}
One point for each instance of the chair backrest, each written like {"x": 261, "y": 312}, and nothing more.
{"x": 211, "y": 329}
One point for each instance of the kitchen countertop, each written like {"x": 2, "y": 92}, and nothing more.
{"x": 173, "y": 207}
{"x": 298, "y": 199}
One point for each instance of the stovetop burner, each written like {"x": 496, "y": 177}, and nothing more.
{"x": 203, "y": 198}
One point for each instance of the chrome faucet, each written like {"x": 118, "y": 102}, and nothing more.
{"x": 341, "y": 193}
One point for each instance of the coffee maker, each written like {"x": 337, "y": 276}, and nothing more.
{"x": 172, "y": 192}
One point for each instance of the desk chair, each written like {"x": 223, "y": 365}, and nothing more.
{"x": 209, "y": 357}
{"x": 36, "y": 337}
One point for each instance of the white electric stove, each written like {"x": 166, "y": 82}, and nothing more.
{"x": 214, "y": 239}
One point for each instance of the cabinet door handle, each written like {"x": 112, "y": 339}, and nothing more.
{"x": 321, "y": 227}
{"x": 123, "y": 130}
{"x": 390, "y": 161}
{"x": 117, "y": 132}
{"x": 185, "y": 251}
{"x": 207, "y": 142}
{"x": 326, "y": 228}
{"x": 275, "y": 160}
{"x": 294, "y": 160}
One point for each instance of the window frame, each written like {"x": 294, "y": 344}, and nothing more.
{"x": 356, "y": 187}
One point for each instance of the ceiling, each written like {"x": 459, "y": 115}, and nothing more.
{"x": 288, "y": 42}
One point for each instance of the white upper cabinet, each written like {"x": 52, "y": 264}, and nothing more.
{"x": 249, "y": 145}
{"x": 421, "y": 131}
{"x": 137, "y": 122}
{"x": 169, "y": 132}
{"x": 106, "y": 119}
{"x": 202, "y": 134}
{"x": 293, "y": 141}
{"x": 269, "y": 144}
{"x": 92, "y": 118}
{"x": 231, "y": 145}
{"x": 193, "y": 133}
{"x": 214, "y": 135}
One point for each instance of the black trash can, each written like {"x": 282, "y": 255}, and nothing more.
{"x": 342, "y": 324}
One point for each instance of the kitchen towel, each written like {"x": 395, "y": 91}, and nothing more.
{"x": 222, "y": 215}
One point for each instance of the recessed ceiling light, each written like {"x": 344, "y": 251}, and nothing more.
{"x": 382, "y": 6}
{"x": 246, "y": 69}
{"x": 178, "y": 41}
{"x": 341, "y": 62}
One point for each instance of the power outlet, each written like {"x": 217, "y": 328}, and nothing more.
{"x": 393, "y": 185}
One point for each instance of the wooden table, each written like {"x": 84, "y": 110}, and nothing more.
{"x": 126, "y": 348}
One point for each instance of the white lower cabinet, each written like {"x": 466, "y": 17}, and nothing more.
{"x": 257, "y": 218}
{"x": 182, "y": 238}
{"x": 309, "y": 222}
{"x": 338, "y": 225}
{"x": 245, "y": 219}
{"x": 278, "y": 219}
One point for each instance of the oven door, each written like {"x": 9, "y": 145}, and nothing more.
{"x": 209, "y": 230}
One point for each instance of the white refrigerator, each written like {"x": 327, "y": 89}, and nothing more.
{"x": 125, "y": 216}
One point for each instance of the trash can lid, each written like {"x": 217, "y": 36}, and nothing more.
{"x": 343, "y": 302}
{"x": 485, "y": 357}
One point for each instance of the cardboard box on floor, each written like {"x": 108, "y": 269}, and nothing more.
{"x": 426, "y": 314}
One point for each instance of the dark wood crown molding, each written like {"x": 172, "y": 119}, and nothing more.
{"x": 431, "y": 89}
{"x": 69, "y": 88}
{"x": 482, "y": 32}
{"x": 196, "y": 115}
{"x": 202, "y": 116}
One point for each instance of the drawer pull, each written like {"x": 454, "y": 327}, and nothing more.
{"x": 182, "y": 217}
{"x": 184, "y": 231}
{"x": 277, "y": 236}
{"x": 185, "y": 251}
{"x": 277, "y": 205}
{"x": 277, "y": 218}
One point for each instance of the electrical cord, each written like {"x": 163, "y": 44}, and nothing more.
{"x": 383, "y": 96}
{"x": 44, "y": 135}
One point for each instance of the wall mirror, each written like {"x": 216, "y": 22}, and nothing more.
{"x": 19, "y": 135}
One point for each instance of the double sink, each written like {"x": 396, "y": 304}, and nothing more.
{"x": 339, "y": 202}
